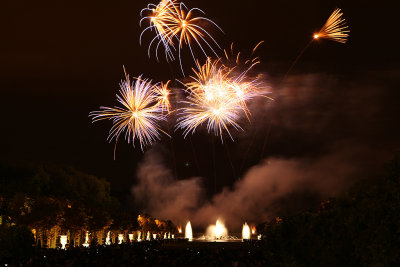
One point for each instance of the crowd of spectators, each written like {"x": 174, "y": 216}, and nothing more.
{"x": 153, "y": 253}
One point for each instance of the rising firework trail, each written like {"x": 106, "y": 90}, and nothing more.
{"x": 177, "y": 26}
{"x": 139, "y": 116}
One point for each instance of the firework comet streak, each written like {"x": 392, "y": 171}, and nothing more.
{"x": 335, "y": 28}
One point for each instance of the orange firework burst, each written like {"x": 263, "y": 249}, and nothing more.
{"x": 161, "y": 19}
{"x": 217, "y": 97}
{"x": 335, "y": 28}
{"x": 175, "y": 24}
{"x": 139, "y": 115}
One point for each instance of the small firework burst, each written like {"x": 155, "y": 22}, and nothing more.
{"x": 163, "y": 94}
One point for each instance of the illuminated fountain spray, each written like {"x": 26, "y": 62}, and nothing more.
{"x": 108, "y": 242}
{"x": 139, "y": 237}
{"x": 120, "y": 238}
{"x": 86, "y": 244}
{"x": 148, "y": 236}
{"x": 63, "y": 241}
{"x": 245, "y": 231}
{"x": 217, "y": 231}
{"x": 188, "y": 231}
{"x": 130, "y": 237}
{"x": 220, "y": 230}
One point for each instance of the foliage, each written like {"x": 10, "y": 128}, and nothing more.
{"x": 41, "y": 197}
{"x": 358, "y": 229}
{"x": 16, "y": 243}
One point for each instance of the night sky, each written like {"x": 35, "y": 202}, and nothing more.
{"x": 62, "y": 59}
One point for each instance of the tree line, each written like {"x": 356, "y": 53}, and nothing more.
{"x": 359, "y": 228}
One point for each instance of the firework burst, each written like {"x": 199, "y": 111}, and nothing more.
{"x": 162, "y": 91}
{"x": 161, "y": 18}
{"x": 217, "y": 97}
{"x": 335, "y": 28}
{"x": 175, "y": 26}
{"x": 139, "y": 115}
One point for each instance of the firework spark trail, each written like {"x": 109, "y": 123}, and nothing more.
{"x": 335, "y": 28}
{"x": 177, "y": 25}
{"x": 139, "y": 115}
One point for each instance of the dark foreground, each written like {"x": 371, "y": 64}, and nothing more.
{"x": 155, "y": 254}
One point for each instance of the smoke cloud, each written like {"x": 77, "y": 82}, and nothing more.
{"x": 323, "y": 142}
{"x": 163, "y": 196}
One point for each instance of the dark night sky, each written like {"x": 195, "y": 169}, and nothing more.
{"x": 62, "y": 59}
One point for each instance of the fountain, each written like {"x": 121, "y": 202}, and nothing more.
{"x": 120, "y": 238}
{"x": 220, "y": 230}
{"x": 63, "y": 241}
{"x": 108, "y": 242}
{"x": 86, "y": 244}
{"x": 139, "y": 236}
{"x": 188, "y": 231}
{"x": 216, "y": 232}
{"x": 245, "y": 231}
{"x": 148, "y": 236}
{"x": 130, "y": 237}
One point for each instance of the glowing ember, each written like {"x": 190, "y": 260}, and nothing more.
{"x": 246, "y": 231}
{"x": 253, "y": 230}
{"x": 188, "y": 231}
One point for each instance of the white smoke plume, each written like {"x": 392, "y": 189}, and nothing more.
{"x": 272, "y": 188}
